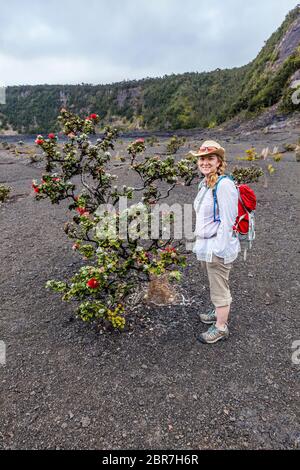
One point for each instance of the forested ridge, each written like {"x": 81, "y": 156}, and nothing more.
{"x": 178, "y": 101}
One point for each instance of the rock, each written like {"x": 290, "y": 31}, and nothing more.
{"x": 85, "y": 422}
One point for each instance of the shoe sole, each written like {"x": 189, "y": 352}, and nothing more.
{"x": 211, "y": 342}
{"x": 207, "y": 322}
{"x": 210, "y": 322}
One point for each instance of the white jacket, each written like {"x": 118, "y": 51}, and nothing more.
{"x": 216, "y": 237}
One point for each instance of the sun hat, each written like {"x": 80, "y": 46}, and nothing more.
{"x": 209, "y": 147}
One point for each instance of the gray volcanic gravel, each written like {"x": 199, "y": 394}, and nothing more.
{"x": 66, "y": 385}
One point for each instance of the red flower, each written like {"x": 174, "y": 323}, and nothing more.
{"x": 36, "y": 189}
{"x": 92, "y": 283}
{"x": 51, "y": 136}
{"x": 55, "y": 179}
{"x": 140, "y": 141}
{"x": 39, "y": 141}
{"x": 93, "y": 116}
{"x": 170, "y": 249}
{"x": 80, "y": 210}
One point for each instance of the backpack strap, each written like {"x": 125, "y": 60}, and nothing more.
{"x": 198, "y": 197}
{"x": 217, "y": 219}
{"x": 201, "y": 184}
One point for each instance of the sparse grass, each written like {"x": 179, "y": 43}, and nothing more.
{"x": 4, "y": 193}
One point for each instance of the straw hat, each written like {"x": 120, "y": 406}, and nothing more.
{"x": 209, "y": 147}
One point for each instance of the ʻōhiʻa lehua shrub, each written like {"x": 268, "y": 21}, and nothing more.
{"x": 114, "y": 265}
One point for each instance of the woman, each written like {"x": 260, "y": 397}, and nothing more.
{"x": 216, "y": 245}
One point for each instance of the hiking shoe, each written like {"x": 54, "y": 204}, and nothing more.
{"x": 213, "y": 334}
{"x": 208, "y": 318}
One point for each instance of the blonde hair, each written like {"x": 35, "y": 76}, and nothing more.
{"x": 212, "y": 178}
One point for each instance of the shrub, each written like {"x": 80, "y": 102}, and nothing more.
{"x": 151, "y": 141}
{"x": 113, "y": 267}
{"x": 247, "y": 175}
{"x": 289, "y": 147}
{"x": 251, "y": 155}
{"x": 4, "y": 192}
{"x": 174, "y": 144}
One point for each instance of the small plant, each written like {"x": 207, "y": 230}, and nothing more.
{"x": 212, "y": 124}
{"x": 271, "y": 169}
{"x": 289, "y": 147}
{"x": 151, "y": 141}
{"x": 277, "y": 157}
{"x": 174, "y": 144}
{"x": 247, "y": 175}
{"x": 4, "y": 192}
{"x": 251, "y": 155}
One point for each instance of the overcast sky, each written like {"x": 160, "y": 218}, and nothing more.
{"x": 103, "y": 41}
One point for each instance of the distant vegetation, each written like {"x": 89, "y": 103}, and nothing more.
{"x": 182, "y": 101}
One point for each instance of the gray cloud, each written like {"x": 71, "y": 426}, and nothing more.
{"x": 64, "y": 41}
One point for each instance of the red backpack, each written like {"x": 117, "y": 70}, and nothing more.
{"x": 244, "y": 226}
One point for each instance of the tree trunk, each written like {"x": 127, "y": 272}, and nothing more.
{"x": 160, "y": 291}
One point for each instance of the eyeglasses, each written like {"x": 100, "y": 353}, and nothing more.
{"x": 207, "y": 149}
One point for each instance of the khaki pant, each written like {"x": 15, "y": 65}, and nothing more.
{"x": 218, "y": 276}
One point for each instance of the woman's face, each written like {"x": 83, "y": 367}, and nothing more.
{"x": 208, "y": 164}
